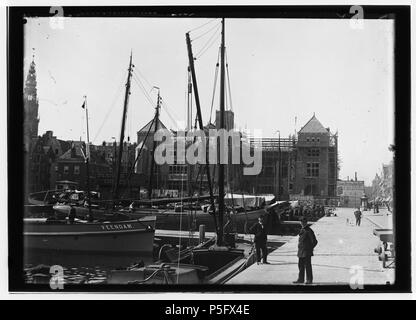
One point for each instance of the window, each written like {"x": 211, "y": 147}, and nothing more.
{"x": 312, "y": 169}
{"x": 56, "y": 168}
{"x": 178, "y": 169}
{"x": 307, "y": 139}
{"x": 66, "y": 169}
{"x": 76, "y": 169}
{"x": 313, "y": 152}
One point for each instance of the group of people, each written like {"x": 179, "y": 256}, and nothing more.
{"x": 307, "y": 243}
{"x": 311, "y": 211}
{"x": 73, "y": 214}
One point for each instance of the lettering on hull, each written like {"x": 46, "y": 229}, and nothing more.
{"x": 112, "y": 227}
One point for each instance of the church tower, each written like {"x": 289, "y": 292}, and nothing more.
{"x": 31, "y": 107}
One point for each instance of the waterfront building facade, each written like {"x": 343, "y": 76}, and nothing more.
{"x": 350, "y": 193}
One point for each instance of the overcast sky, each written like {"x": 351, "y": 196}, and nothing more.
{"x": 279, "y": 69}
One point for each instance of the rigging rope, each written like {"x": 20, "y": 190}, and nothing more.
{"x": 208, "y": 44}
{"x": 138, "y": 155}
{"x": 206, "y": 32}
{"x": 109, "y": 110}
{"x": 166, "y": 108}
{"x": 180, "y": 230}
{"x": 146, "y": 94}
{"x": 228, "y": 81}
{"x": 192, "y": 30}
{"x": 141, "y": 74}
{"x": 215, "y": 84}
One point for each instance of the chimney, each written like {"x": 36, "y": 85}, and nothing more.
{"x": 355, "y": 176}
{"x": 73, "y": 152}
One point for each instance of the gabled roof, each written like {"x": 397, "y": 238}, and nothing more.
{"x": 77, "y": 154}
{"x": 151, "y": 126}
{"x": 313, "y": 126}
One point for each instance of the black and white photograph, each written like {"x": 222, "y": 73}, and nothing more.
{"x": 201, "y": 149}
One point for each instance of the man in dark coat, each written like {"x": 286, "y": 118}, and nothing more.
{"x": 357, "y": 215}
{"x": 72, "y": 215}
{"x": 307, "y": 242}
{"x": 260, "y": 240}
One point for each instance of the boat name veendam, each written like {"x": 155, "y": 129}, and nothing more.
{"x": 111, "y": 227}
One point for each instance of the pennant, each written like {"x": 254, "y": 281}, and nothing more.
{"x": 83, "y": 105}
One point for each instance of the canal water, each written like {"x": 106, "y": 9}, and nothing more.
{"x": 79, "y": 268}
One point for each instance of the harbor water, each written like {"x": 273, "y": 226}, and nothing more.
{"x": 93, "y": 268}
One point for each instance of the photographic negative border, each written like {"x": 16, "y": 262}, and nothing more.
{"x": 402, "y": 192}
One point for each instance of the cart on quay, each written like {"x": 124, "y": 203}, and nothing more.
{"x": 385, "y": 249}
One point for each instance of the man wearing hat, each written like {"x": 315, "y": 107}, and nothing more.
{"x": 307, "y": 242}
{"x": 260, "y": 240}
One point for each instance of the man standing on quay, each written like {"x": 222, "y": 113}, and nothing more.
{"x": 260, "y": 240}
{"x": 357, "y": 215}
{"x": 307, "y": 242}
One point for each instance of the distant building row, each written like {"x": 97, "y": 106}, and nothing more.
{"x": 303, "y": 166}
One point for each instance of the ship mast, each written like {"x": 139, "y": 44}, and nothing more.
{"x": 87, "y": 157}
{"x": 201, "y": 125}
{"x": 123, "y": 125}
{"x": 221, "y": 206}
{"x": 152, "y": 161}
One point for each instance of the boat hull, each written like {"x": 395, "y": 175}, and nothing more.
{"x": 134, "y": 236}
{"x": 171, "y": 220}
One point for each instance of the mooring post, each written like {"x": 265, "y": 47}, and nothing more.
{"x": 201, "y": 233}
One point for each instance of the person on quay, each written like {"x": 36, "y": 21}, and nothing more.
{"x": 72, "y": 215}
{"x": 307, "y": 242}
{"x": 260, "y": 240}
{"x": 357, "y": 215}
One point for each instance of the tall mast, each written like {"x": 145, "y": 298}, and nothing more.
{"x": 152, "y": 161}
{"x": 123, "y": 125}
{"x": 221, "y": 207}
{"x": 201, "y": 125}
{"x": 87, "y": 157}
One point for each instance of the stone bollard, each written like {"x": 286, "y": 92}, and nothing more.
{"x": 201, "y": 233}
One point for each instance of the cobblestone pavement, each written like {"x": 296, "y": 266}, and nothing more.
{"x": 344, "y": 252}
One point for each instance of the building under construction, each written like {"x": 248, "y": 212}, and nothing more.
{"x": 303, "y": 166}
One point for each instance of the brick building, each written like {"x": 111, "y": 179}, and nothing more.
{"x": 181, "y": 178}
{"x": 316, "y": 167}
{"x": 277, "y": 174}
{"x": 44, "y": 151}
{"x": 350, "y": 192}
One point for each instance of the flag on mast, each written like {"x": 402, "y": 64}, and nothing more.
{"x": 87, "y": 147}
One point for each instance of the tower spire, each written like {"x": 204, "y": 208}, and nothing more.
{"x": 31, "y": 105}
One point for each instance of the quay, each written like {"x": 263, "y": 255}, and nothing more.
{"x": 185, "y": 235}
{"x": 342, "y": 249}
